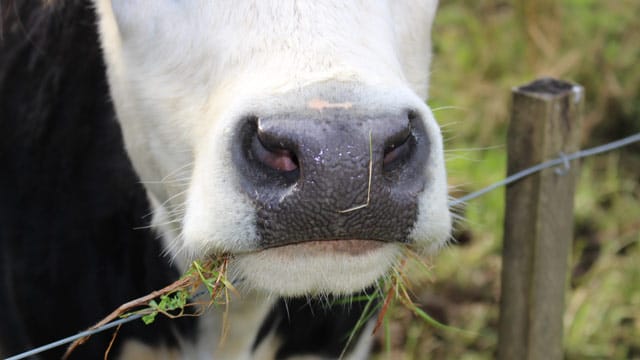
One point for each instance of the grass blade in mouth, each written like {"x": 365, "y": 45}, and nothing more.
{"x": 173, "y": 299}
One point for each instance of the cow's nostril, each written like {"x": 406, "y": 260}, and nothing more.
{"x": 266, "y": 155}
{"x": 395, "y": 153}
{"x": 399, "y": 147}
{"x": 279, "y": 159}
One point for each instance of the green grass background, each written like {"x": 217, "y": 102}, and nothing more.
{"x": 482, "y": 49}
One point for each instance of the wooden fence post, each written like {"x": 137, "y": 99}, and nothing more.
{"x": 538, "y": 229}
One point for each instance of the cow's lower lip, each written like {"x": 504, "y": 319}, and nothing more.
{"x": 350, "y": 247}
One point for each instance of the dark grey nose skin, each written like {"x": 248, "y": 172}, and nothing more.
{"x": 334, "y": 174}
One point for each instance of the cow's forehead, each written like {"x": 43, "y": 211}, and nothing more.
{"x": 281, "y": 14}
{"x": 302, "y": 41}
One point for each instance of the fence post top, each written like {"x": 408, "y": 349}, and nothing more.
{"x": 546, "y": 88}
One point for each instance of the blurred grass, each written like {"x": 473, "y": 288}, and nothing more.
{"x": 481, "y": 50}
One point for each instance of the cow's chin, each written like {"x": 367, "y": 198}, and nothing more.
{"x": 338, "y": 267}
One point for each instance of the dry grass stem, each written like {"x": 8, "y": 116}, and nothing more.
{"x": 174, "y": 297}
{"x": 113, "y": 340}
{"x": 362, "y": 206}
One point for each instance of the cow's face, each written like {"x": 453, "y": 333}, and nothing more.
{"x": 290, "y": 134}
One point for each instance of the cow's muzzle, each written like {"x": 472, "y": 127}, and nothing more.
{"x": 334, "y": 173}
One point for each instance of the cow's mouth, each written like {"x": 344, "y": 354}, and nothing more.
{"x": 317, "y": 247}
{"x": 339, "y": 267}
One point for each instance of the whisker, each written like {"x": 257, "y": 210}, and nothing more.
{"x": 158, "y": 224}
{"x": 448, "y": 139}
{"x": 181, "y": 181}
{"x": 449, "y": 157}
{"x": 448, "y": 107}
{"x": 162, "y": 206}
{"x": 181, "y": 168}
{"x": 493, "y": 147}
{"x": 448, "y": 124}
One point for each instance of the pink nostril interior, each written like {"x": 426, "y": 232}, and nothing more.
{"x": 280, "y": 159}
{"x": 395, "y": 152}
{"x": 390, "y": 155}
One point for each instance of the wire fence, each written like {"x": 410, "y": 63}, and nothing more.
{"x": 562, "y": 160}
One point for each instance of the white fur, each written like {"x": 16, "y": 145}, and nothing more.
{"x": 182, "y": 73}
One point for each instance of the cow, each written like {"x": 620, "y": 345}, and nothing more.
{"x": 140, "y": 135}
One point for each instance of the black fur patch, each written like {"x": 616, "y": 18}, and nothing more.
{"x": 69, "y": 198}
{"x": 313, "y": 327}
